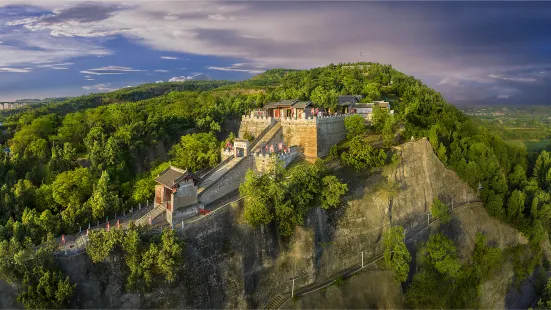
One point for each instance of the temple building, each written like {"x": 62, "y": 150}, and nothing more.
{"x": 345, "y": 104}
{"x": 176, "y": 189}
{"x": 289, "y": 109}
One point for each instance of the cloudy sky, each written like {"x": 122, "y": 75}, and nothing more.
{"x": 477, "y": 52}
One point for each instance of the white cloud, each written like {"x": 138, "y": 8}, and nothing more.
{"x": 89, "y": 79}
{"x": 169, "y": 58}
{"x": 161, "y": 71}
{"x": 220, "y": 17}
{"x": 98, "y": 73}
{"x": 241, "y": 67}
{"x": 110, "y": 70}
{"x": 116, "y": 68}
{"x": 56, "y": 66}
{"x": 159, "y": 82}
{"x": 196, "y": 76}
{"x": 100, "y": 87}
{"x": 15, "y": 70}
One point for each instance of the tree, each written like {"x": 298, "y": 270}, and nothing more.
{"x": 332, "y": 191}
{"x": 515, "y": 206}
{"x": 442, "y": 254}
{"x": 355, "y": 125}
{"x": 46, "y": 290}
{"x": 196, "y": 151}
{"x": 144, "y": 188}
{"x": 72, "y": 187}
{"x": 104, "y": 200}
{"x": 170, "y": 255}
{"x": 101, "y": 243}
{"x": 258, "y": 205}
{"x": 379, "y": 118}
{"x": 440, "y": 211}
{"x": 362, "y": 156}
{"x": 387, "y": 131}
{"x": 517, "y": 177}
{"x": 396, "y": 253}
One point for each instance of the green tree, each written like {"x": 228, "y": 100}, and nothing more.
{"x": 46, "y": 290}
{"x": 355, "y": 125}
{"x": 196, "y": 151}
{"x": 396, "y": 253}
{"x": 440, "y": 211}
{"x": 332, "y": 191}
{"x": 442, "y": 254}
{"x": 104, "y": 199}
{"x": 362, "y": 156}
{"x": 515, "y": 206}
{"x": 170, "y": 255}
{"x": 258, "y": 205}
{"x": 101, "y": 243}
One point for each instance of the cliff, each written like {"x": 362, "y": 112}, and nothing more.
{"x": 227, "y": 264}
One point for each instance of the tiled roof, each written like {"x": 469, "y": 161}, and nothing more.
{"x": 347, "y": 100}
{"x": 288, "y": 103}
{"x": 302, "y": 104}
{"x": 282, "y": 103}
{"x": 171, "y": 176}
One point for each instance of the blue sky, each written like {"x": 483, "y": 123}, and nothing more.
{"x": 472, "y": 52}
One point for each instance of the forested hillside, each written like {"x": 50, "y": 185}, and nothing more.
{"x": 75, "y": 162}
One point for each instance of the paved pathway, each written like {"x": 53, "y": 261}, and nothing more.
{"x": 222, "y": 170}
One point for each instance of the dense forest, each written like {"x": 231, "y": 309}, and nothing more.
{"x": 70, "y": 163}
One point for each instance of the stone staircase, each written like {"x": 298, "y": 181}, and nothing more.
{"x": 276, "y": 302}
{"x": 220, "y": 171}
{"x": 266, "y": 137}
{"x": 156, "y": 211}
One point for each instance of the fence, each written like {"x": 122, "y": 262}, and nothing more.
{"x": 74, "y": 244}
{"x": 78, "y": 245}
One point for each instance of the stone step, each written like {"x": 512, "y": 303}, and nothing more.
{"x": 218, "y": 174}
{"x": 144, "y": 220}
{"x": 267, "y": 137}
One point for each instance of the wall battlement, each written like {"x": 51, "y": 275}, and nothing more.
{"x": 315, "y": 135}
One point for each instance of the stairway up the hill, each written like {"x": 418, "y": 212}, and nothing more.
{"x": 144, "y": 220}
{"x": 220, "y": 171}
{"x": 266, "y": 138}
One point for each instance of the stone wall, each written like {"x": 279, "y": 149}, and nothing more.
{"x": 331, "y": 131}
{"x": 264, "y": 162}
{"x": 276, "y": 139}
{"x": 185, "y": 196}
{"x": 302, "y": 133}
{"x": 253, "y": 125}
{"x": 228, "y": 183}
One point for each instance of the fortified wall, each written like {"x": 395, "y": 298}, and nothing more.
{"x": 228, "y": 182}
{"x": 314, "y": 135}
{"x": 254, "y": 125}
{"x": 330, "y": 131}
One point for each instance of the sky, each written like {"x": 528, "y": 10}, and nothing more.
{"x": 472, "y": 52}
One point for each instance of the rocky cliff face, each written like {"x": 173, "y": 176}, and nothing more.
{"x": 230, "y": 265}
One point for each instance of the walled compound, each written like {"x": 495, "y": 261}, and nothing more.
{"x": 282, "y": 130}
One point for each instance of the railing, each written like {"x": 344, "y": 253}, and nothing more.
{"x": 346, "y": 269}
{"x": 261, "y": 135}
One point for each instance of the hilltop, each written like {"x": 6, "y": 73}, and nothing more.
{"x": 88, "y": 158}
